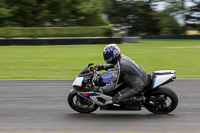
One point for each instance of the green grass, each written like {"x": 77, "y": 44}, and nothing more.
{"x": 65, "y": 61}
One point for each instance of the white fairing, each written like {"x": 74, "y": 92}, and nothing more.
{"x": 78, "y": 81}
{"x": 107, "y": 98}
{"x": 92, "y": 96}
{"x": 162, "y": 76}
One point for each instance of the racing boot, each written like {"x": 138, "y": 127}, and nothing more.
{"x": 132, "y": 100}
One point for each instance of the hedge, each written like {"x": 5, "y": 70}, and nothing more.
{"x": 12, "y": 32}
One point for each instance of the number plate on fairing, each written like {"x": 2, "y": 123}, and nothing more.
{"x": 78, "y": 81}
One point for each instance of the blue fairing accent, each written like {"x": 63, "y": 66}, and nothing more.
{"x": 154, "y": 80}
{"x": 88, "y": 95}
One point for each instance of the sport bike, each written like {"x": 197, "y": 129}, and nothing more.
{"x": 157, "y": 98}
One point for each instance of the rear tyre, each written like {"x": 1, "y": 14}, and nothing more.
{"x": 162, "y": 100}
{"x": 81, "y": 104}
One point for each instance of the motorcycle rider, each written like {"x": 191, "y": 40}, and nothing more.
{"x": 124, "y": 69}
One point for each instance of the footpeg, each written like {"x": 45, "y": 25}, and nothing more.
{"x": 116, "y": 105}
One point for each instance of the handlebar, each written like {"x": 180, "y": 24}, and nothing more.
{"x": 95, "y": 75}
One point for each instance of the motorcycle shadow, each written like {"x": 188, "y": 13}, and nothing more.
{"x": 119, "y": 116}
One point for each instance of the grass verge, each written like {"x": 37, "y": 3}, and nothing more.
{"x": 65, "y": 61}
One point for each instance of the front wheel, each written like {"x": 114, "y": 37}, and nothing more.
{"x": 81, "y": 104}
{"x": 162, "y": 100}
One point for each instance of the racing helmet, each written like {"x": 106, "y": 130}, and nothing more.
{"x": 111, "y": 53}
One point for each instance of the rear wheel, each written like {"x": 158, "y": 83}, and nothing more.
{"x": 162, "y": 100}
{"x": 81, "y": 104}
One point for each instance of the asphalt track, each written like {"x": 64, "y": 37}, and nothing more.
{"x": 40, "y": 106}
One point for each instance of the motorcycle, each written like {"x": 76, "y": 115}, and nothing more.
{"x": 158, "y": 99}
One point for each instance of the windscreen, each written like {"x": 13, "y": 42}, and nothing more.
{"x": 84, "y": 72}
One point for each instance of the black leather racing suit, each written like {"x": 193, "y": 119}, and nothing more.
{"x": 127, "y": 70}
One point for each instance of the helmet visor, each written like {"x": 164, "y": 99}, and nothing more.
{"x": 107, "y": 57}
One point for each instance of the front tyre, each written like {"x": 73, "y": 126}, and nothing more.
{"x": 81, "y": 104}
{"x": 162, "y": 100}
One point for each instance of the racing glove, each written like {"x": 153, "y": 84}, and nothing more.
{"x": 99, "y": 67}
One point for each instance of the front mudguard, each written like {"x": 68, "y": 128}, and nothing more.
{"x": 74, "y": 106}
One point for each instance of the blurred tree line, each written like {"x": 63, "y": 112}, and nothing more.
{"x": 30, "y": 13}
{"x": 192, "y": 16}
{"x": 139, "y": 16}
